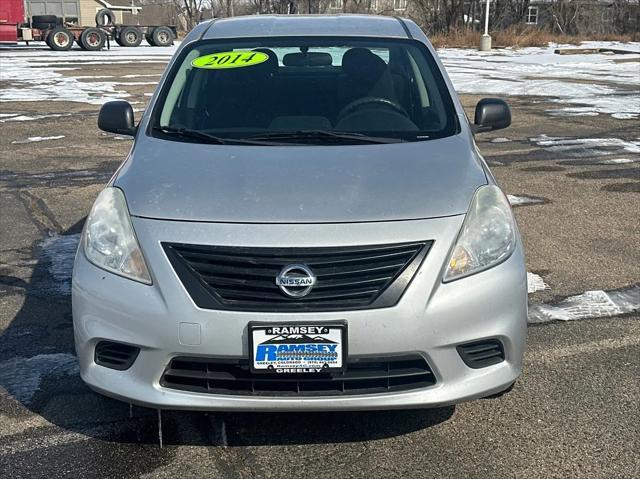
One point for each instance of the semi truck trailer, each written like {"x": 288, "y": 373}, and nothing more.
{"x": 61, "y": 28}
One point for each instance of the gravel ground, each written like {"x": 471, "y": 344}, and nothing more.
{"x": 574, "y": 413}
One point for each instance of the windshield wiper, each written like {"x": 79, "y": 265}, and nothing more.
{"x": 207, "y": 137}
{"x": 193, "y": 134}
{"x": 323, "y": 135}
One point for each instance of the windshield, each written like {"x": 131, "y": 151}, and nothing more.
{"x": 305, "y": 90}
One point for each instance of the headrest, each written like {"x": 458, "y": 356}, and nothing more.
{"x": 361, "y": 62}
{"x": 308, "y": 59}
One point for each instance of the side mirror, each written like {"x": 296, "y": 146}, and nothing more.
{"x": 491, "y": 114}
{"x": 117, "y": 117}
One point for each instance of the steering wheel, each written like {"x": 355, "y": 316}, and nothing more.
{"x": 370, "y": 100}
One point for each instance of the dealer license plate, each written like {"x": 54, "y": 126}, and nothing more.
{"x": 298, "y": 348}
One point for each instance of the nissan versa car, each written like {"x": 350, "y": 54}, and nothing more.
{"x": 303, "y": 223}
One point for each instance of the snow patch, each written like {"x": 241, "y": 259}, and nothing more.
{"x": 21, "y": 377}
{"x": 590, "y": 304}
{"x": 576, "y": 111}
{"x": 625, "y": 116}
{"x": 135, "y": 83}
{"x": 535, "y": 283}
{"x": 579, "y": 147}
{"x": 18, "y": 118}
{"x": 44, "y": 75}
{"x": 588, "y": 84}
{"x": 523, "y": 200}
{"x": 141, "y": 75}
{"x": 500, "y": 140}
{"x": 619, "y": 161}
{"x": 35, "y": 139}
{"x": 60, "y": 252}
{"x": 35, "y": 117}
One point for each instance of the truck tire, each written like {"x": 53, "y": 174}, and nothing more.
{"x": 115, "y": 35}
{"x": 92, "y": 39}
{"x": 162, "y": 37}
{"x": 105, "y": 17}
{"x": 149, "y": 36}
{"x": 45, "y": 22}
{"x": 130, "y": 36}
{"x": 60, "y": 39}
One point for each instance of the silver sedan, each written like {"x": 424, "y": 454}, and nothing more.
{"x": 304, "y": 222}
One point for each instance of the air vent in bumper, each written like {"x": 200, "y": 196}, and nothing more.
{"x": 115, "y": 355}
{"x": 361, "y": 376}
{"x": 348, "y": 278}
{"x": 481, "y": 354}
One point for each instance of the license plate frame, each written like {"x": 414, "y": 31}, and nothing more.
{"x": 312, "y": 368}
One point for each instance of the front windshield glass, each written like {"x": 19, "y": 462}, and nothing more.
{"x": 305, "y": 90}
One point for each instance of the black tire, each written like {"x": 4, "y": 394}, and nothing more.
{"x": 130, "y": 36}
{"x": 60, "y": 39}
{"x": 92, "y": 39}
{"x": 149, "y": 36}
{"x": 44, "y": 19}
{"x": 105, "y": 18}
{"x": 162, "y": 37}
{"x": 45, "y": 22}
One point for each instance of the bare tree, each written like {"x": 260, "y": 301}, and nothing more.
{"x": 191, "y": 10}
{"x": 281, "y": 7}
{"x": 565, "y": 14}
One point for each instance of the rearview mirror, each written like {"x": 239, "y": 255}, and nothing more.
{"x": 491, "y": 114}
{"x": 117, "y": 117}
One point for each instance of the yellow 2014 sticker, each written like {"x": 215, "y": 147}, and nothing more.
{"x": 224, "y": 60}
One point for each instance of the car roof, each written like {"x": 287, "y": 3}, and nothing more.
{"x": 307, "y": 25}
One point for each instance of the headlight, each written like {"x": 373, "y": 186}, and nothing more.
{"x": 110, "y": 242}
{"x": 487, "y": 236}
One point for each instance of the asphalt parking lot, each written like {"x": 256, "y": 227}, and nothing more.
{"x": 575, "y": 412}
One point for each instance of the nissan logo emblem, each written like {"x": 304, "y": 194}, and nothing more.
{"x": 296, "y": 280}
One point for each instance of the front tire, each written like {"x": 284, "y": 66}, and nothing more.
{"x": 60, "y": 39}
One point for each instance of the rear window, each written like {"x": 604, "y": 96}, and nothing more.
{"x": 263, "y": 88}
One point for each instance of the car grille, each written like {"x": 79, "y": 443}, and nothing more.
{"x": 236, "y": 278}
{"x": 482, "y": 353}
{"x": 115, "y": 355}
{"x": 361, "y": 376}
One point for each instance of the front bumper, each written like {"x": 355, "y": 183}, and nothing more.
{"x": 430, "y": 319}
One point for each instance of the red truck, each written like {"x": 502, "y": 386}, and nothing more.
{"x": 59, "y": 34}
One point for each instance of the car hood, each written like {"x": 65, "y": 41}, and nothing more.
{"x": 300, "y": 184}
